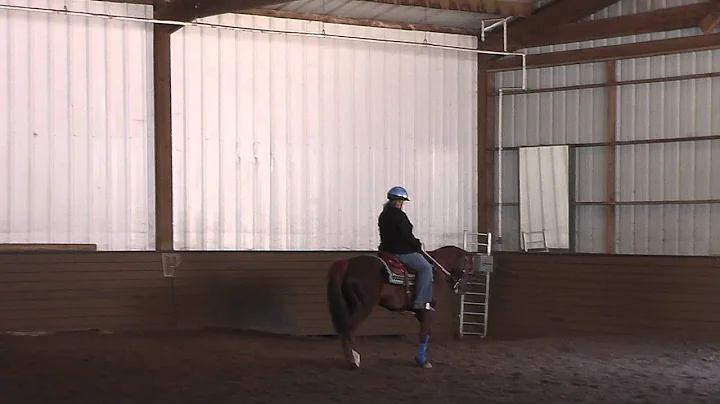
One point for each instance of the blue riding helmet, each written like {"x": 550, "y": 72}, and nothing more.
{"x": 398, "y": 193}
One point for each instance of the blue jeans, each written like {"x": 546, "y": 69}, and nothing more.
{"x": 423, "y": 278}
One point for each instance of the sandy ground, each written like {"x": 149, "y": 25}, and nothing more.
{"x": 230, "y": 367}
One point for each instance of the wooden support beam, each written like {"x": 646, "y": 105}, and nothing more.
{"x": 559, "y": 12}
{"x": 146, "y": 2}
{"x": 505, "y": 8}
{"x": 611, "y": 79}
{"x": 665, "y": 19}
{"x": 712, "y": 19}
{"x": 188, "y": 10}
{"x": 331, "y": 19}
{"x": 632, "y": 142}
{"x": 46, "y": 247}
{"x": 651, "y": 203}
{"x": 163, "y": 138}
{"x": 683, "y": 77}
{"x": 615, "y": 52}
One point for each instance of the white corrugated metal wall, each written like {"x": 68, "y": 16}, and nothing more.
{"x": 657, "y": 172}
{"x": 76, "y": 127}
{"x": 290, "y": 143}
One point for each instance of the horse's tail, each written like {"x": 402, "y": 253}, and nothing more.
{"x": 336, "y": 300}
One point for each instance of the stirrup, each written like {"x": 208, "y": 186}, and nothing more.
{"x": 425, "y": 307}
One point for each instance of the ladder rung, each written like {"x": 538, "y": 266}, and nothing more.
{"x": 471, "y": 323}
{"x": 476, "y": 283}
{"x": 472, "y": 313}
{"x": 475, "y": 303}
{"x": 475, "y": 293}
{"x": 473, "y": 333}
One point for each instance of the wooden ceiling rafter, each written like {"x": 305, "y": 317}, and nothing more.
{"x": 712, "y": 19}
{"x": 670, "y": 46}
{"x": 332, "y": 19}
{"x": 555, "y": 14}
{"x": 188, "y": 10}
{"x": 665, "y": 19}
{"x": 504, "y": 8}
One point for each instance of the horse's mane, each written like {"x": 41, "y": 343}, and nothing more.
{"x": 448, "y": 248}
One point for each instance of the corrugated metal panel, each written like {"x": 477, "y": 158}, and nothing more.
{"x": 289, "y": 143}
{"x": 387, "y": 12}
{"x": 76, "y": 127}
{"x": 544, "y": 193}
{"x": 550, "y": 77}
{"x": 669, "y": 171}
{"x": 680, "y": 171}
{"x": 511, "y": 188}
{"x": 669, "y": 65}
{"x": 568, "y": 117}
{"x": 615, "y": 41}
{"x": 590, "y": 186}
{"x": 669, "y": 229}
{"x": 511, "y": 177}
{"x": 626, "y": 7}
{"x": 669, "y": 110}
{"x": 590, "y": 229}
{"x": 591, "y": 174}
{"x": 511, "y": 229}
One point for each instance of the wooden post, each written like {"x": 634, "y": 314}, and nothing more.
{"x": 611, "y": 156}
{"x": 163, "y": 139}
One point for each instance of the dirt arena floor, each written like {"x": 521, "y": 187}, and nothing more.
{"x": 230, "y": 367}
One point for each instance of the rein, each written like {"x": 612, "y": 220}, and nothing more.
{"x": 449, "y": 277}
{"x": 434, "y": 261}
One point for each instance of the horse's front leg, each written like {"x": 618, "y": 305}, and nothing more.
{"x": 424, "y": 317}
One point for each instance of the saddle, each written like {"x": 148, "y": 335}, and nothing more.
{"x": 398, "y": 273}
{"x": 395, "y": 265}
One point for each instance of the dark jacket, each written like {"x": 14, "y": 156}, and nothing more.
{"x": 396, "y": 236}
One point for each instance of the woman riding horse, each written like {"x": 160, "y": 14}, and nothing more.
{"x": 356, "y": 285}
{"x": 396, "y": 237}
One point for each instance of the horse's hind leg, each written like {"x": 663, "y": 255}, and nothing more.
{"x": 363, "y": 305}
{"x": 350, "y": 354}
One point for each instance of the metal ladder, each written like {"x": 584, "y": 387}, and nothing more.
{"x": 474, "y": 303}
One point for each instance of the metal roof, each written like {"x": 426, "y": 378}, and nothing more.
{"x": 386, "y": 12}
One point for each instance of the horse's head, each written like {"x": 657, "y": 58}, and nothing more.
{"x": 456, "y": 266}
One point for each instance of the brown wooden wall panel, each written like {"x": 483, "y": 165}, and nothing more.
{"x": 560, "y": 294}
{"x": 83, "y": 290}
{"x": 271, "y": 291}
{"x": 277, "y": 292}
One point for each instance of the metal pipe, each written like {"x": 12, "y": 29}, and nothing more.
{"x": 493, "y": 25}
{"x": 251, "y": 29}
{"x": 505, "y": 36}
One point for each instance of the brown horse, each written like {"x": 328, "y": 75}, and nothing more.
{"x": 356, "y": 285}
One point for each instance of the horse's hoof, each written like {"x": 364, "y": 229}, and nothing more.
{"x": 423, "y": 364}
{"x": 356, "y": 359}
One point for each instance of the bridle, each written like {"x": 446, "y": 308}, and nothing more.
{"x": 449, "y": 278}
